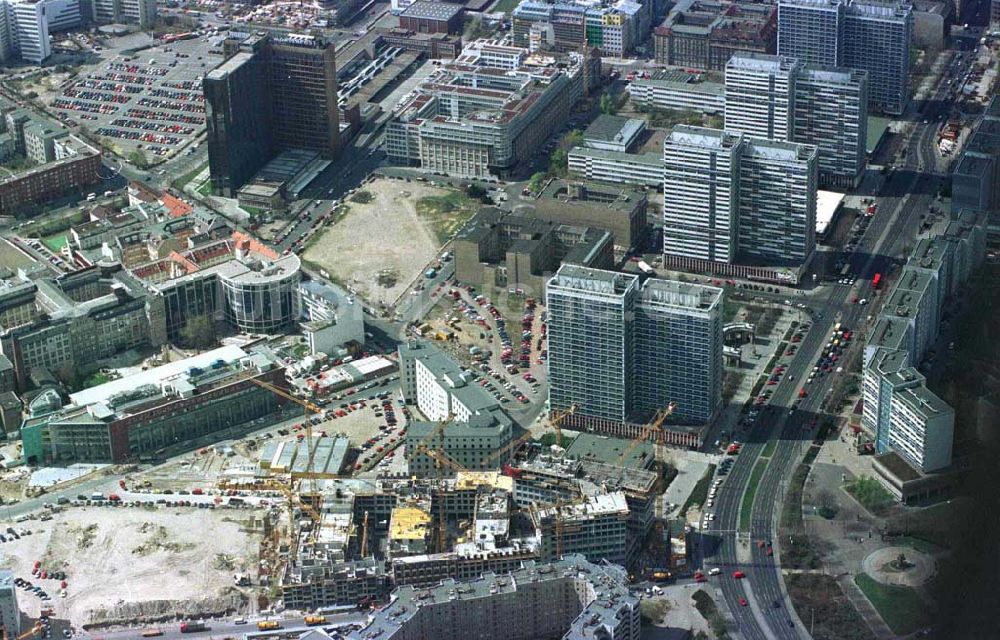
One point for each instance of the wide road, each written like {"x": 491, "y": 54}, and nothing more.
{"x": 907, "y": 193}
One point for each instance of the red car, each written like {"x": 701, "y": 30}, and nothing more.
{"x": 700, "y": 577}
{"x": 743, "y": 602}
{"x": 770, "y": 551}
{"x": 739, "y": 575}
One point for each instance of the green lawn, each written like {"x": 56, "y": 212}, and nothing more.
{"x": 901, "y": 608}
{"x": 504, "y": 5}
{"x": 769, "y": 448}
{"x": 791, "y": 509}
{"x": 94, "y": 379}
{"x": 700, "y": 492}
{"x": 180, "y": 182}
{"x": 824, "y": 608}
{"x": 55, "y": 243}
{"x": 746, "y": 507}
{"x": 871, "y": 494}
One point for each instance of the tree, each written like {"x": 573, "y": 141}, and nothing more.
{"x": 138, "y": 158}
{"x": 66, "y": 374}
{"x": 476, "y": 28}
{"x": 477, "y": 192}
{"x": 559, "y": 163}
{"x": 198, "y": 332}
{"x": 572, "y": 139}
{"x": 536, "y": 182}
{"x": 608, "y": 105}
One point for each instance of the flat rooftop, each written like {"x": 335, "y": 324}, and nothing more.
{"x": 427, "y": 10}
{"x": 609, "y": 128}
{"x": 228, "y": 353}
{"x": 597, "y": 448}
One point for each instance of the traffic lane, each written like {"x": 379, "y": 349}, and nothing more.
{"x": 768, "y": 578}
{"x": 30, "y": 505}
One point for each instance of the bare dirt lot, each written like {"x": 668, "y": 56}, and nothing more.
{"x": 136, "y": 563}
{"x": 383, "y": 234}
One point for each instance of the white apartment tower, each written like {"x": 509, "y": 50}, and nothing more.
{"x": 760, "y": 95}
{"x": 831, "y": 112}
{"x": 10, "y": 615}
{"x": 29, "y": 28}
{"x": 777, "y": 202}
{"x": 700, "y": 193}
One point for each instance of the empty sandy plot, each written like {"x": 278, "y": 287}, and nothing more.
{"x": 133, "y": 562}
{"x": 383, "y": 235}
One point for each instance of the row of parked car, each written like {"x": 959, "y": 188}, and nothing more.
{"x": 80, "y": 105}
{"x": 148, "y": 114}
{"x": 144, "y": 125}
{"x": 134, "y": 68}
{"x": 124, "y": 78}
{"x": 188, "y": 107}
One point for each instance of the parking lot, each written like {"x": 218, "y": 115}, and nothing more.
{"x": 150, "y": 102}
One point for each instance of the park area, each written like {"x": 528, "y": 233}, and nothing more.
{"x": 138, "y": 564}
{"x": 386, "y": 235}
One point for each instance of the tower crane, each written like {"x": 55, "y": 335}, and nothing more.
{"x": 652, "y": 429}
{"x": 33, "y": 631}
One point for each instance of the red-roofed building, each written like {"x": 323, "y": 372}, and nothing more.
{"x": 176, "y": 206}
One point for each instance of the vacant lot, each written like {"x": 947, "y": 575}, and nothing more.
{"x": 136, "y": 563}
{"x": 824, "y": 608}
{"x": 382, "y": 243}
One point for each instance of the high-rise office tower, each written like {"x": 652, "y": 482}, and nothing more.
{"x": 678, "y": 350}
{"x": 831, "y": 112}
{"x": 590, "y": 341}
{"x": 10, "y": 615}
{"x": 29, "y": 28}
{"x": 777, "y": 98}
{"x": 760, "y": 95}
{"x": 735, "y": 199}
{"x": 620, "y": 349}
{"x": 877, "y": 39}
{"x": 859, "y": 35}
{"x": 6, "y": 35}
{"x": 138, "y": 12}
{"x": 700, "y": 193}
{"x": 811, "y": 30}
{"x": 777, "y": 202}
{"x": 273, "y": 92}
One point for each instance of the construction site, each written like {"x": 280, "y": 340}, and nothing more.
{"x": 306, "y": 520}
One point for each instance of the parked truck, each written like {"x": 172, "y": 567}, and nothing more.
{"x": 191, "y": 627}
{"x": 645, "y": 268}
{"x": 315, "y": 620}
{"x": 268, "y": 625}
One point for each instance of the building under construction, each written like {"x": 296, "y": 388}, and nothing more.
{"x": 547, "y": 480}
{"x": 594, "y": 526}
